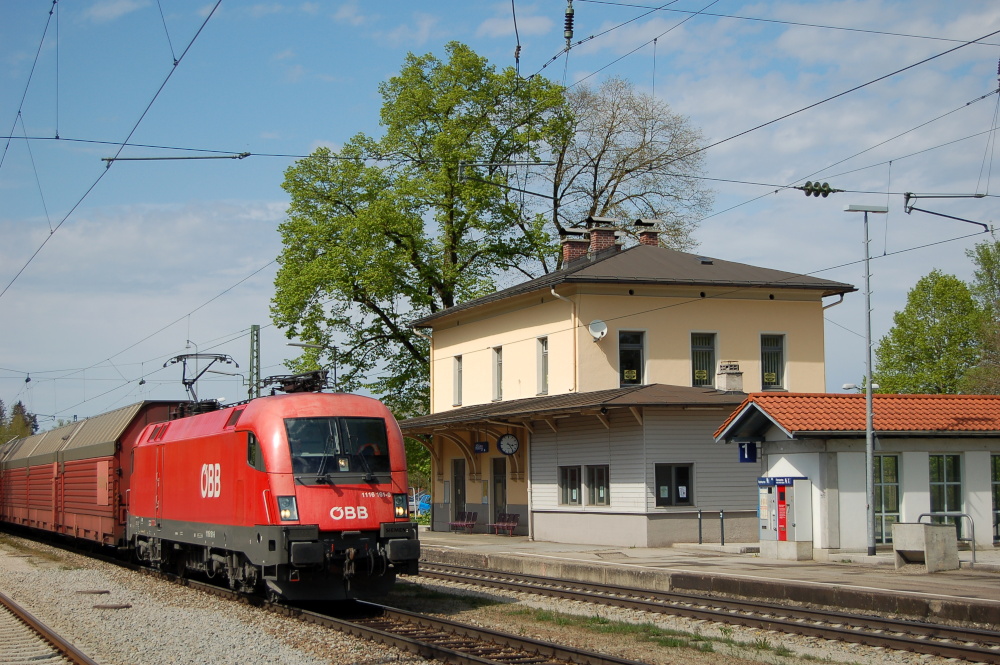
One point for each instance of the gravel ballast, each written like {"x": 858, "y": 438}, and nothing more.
{"x": 166, "y": 623}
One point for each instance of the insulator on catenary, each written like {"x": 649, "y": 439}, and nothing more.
{"x": 568, "y": 27}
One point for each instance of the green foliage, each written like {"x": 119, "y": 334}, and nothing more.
{"x": 935, "y": 339}
{"x": 19, "y": 424}
{"x": 984, "y": 378}
{"x": 370, "y": 246}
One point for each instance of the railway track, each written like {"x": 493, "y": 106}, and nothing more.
{"x": 25, "y": 639}
{"x": 430, "y": 637}
{"x": 970, "y": 644}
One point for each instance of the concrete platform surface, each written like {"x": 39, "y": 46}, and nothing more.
{"x": 854, "y": 582}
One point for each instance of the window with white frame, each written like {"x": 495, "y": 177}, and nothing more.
{"x": 569, "y": 486}
{"x": 630, "y": 358}
{"x": 497, "y": 373}
{"x": 457, "y": 397}
{"x": 772, "y": 362}
{"x": 946, "y": 488}
{"x": 995, "y": 462}
{"x": 598, "y": 485}
{"x": 702, "y": 359}
{"x": 886, "y": 496}
{"x": 543, "y": 365}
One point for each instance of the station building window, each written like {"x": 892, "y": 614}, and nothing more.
{"x": 630, "y": 358}
{"x": 886, "y": 496}
{"x": 569, "y": 486}
{"x": 543, "y": 365}
{"x": 772, "y": 362}
{"x": 702, "y": 359}
{"x": 946, "y": 488}
{"x": 457, "y": 382}
{"x": 497, "y": 373}
{"x": 598, "y": 485}
{"x": 995, "y": 475}
{"x": 674, "y": 484}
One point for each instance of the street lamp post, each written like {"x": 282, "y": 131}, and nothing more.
{"x": 869, "y": 429}
{"x": 306, "y": 345}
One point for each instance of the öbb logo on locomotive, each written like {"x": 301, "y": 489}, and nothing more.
{"x": 211, "y": 481}
{"x": 349, "y": 513}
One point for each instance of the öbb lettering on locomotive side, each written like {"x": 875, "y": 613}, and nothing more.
{"x": 301, "y": 496}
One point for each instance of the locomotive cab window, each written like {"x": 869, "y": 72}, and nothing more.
{"x": 323, "y": 449}
{"x": 255, "y": 456}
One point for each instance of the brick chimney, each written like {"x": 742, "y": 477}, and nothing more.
{"x": 648, "y": 233}
{"x": 602, "y": 234}
{"x": 574, "y": 245}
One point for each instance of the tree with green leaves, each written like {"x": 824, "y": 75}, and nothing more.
{"x": 19, "y": 424}
{"x": 388, "y": 229}
{"x": 934, "y": 341}
{"x": 984, "y": 378}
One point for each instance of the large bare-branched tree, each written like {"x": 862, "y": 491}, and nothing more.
{"x": 625, "y": 154}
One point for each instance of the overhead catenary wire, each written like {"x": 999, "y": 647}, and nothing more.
{"x": 780, "y": 22}
{"x": 27, "y": 84}
{"x": 120, "y": 149}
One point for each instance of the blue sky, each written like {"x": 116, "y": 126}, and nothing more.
{"x": 147, "y": 259}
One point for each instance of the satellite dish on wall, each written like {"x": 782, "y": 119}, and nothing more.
{"x": 598, "y": 329}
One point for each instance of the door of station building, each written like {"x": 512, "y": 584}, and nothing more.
{"x": 457, "y": 487}
{"x": 499, "y": 487}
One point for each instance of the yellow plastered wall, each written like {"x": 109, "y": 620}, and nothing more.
{"x": 666, "y": 315}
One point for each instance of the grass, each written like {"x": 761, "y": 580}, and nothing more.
{"x": 663, "y": 637}
{"x": 21, "y": 547}
{"x": 641, "y": 631}
{"x": 407, "y": 593}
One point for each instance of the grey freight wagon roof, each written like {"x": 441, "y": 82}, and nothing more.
{"x": 92, "y": 437}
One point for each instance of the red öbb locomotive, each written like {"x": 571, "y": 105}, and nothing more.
{"x": 302, "y": 495}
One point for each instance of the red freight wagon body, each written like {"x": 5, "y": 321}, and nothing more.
{"x": 304, "y": 493}
{"x": 69, "y": 480}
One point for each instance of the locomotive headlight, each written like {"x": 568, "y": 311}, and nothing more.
{"x": 399, "y": 504}
{"x": 288, "y": 509}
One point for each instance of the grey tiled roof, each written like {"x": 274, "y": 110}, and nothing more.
{"x": 644, "y": 264}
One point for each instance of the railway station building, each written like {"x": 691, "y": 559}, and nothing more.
{"x": 933, "y": 454}
{"x": 585, "y": 401}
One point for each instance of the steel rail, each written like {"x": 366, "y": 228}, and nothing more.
{"x": 918, "y": 637}
{"x": 56, "y": 641}
{"x": 427, "y": 636}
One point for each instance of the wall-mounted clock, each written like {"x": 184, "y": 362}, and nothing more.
{"x": 507, "y": 444}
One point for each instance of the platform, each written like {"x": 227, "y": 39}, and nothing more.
{"x": 854, "y": 582}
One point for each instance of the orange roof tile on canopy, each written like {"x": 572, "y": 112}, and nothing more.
{"x": 831, "y": 412}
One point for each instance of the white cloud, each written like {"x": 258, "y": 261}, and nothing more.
{"x": 504, "y": 26}
{"x": 261, "y": 10}
{"x": 109, "y": 10}
{"x": 349, "y": 13}
{"x": 417, "y": 32}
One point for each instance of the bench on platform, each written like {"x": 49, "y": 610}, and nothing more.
{"x": 505, "y": 522}
{"x": 465, "y": 520}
